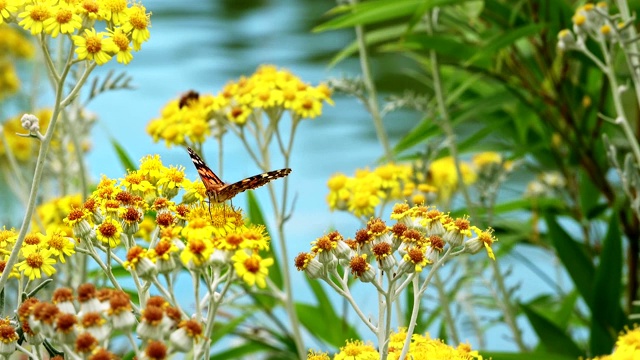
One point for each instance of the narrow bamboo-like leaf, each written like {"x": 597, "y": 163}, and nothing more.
{"x": 325, "y": 326}
{"x": 575, "y": 260}
{"x": 371, "y": 12}
{"x": 240, "y": 351}
{"x": 372, "y": 37}
{"x": 256, "y": 216}
{"x": 552, "y": 339}
{"x": 503, "y": 40}
{"x": 124, "y": 158}
{"x": 567, "y": 306}
{"x": 588, "y": 202}
{"x": 607, "y": 316}
{"x": 448, "y": 47}
{"x": 221, "y": 330}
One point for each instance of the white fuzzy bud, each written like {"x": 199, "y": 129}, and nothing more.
{"x": 30, "y": 123}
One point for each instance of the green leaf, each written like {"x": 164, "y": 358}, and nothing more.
{"x": 371, "y": 38}
{"x": 239, "y": 351}
{"x": 552, "y": 339}
{"x": 574, "y": 258}
{"x": 323, "y": 323}
{"x": 373, "y": 12}
{"x": 504, "y": 39}
{"x": 448, "y": 47}
{"x": 124, "y": 158}
{"x": 221, "y": 330}
{"x": 588, "y": 197}
{"x": 255, "y": 215}
{"x": 607, "y": 316}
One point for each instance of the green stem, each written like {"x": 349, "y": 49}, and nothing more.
{"x": 446, "y": 309}
{"x": 372, "y": 100}
{"x": 40, "y": 162}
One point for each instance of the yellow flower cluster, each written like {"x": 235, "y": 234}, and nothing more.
{"x": 368, "y": 189}
{"x": 188, "y": 232}
{"x": 127, "y": 24}
{"x": 269, "y": 92}
{"x": 39, "y": 253}
{"x": 13, "y": 46}
{"x": 627, "y": 346}
{"x": 22, "y": 148}
{"x": 421, "y": 347}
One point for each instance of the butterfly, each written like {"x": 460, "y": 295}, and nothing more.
{"x": 218, "y": 191}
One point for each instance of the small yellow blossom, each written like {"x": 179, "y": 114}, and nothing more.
{"x": 252, "y": 269}
{"x": 94, "y": 46}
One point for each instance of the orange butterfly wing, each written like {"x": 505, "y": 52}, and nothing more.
{"x": 219, "y": 192}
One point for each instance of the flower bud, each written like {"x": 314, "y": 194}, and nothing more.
{"x": 30, "y": 122}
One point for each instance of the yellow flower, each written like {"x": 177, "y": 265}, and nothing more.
{"x": 363, "y": 203}
{"x": 114, "y": 11}
{"x": 338, "y": 192}
{"x": 59, "y": 244}
{"x": 122, "y": 42}
{"x": 94, "y": 46}
{"x": 196, "y": 252}
{"x": 256, "y": 237}
{"x": 36, "y": 260}
{"x": 135, "y": 183}
{"x": 34, "y": 16}
{"x": 357, "y": 350}
{"x": 171, "y": 181}
{"x": 137, "y": 24}
{"x": 194, "y": 191}
{"x": 151, "y": 168}
{"x": 109, "y": 232}
{"x": 63, "y": 20}
{"x": 444, "y": 176}
{"x": 90, "y": 9}
{"x": 7, "y": 8}
{"x": 252, "y": 269}
{"x": 313, "y": 355}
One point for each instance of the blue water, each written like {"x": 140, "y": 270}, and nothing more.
{"x": 201, "y": 45}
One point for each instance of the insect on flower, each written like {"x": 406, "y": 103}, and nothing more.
{"x": 218, "y": 191}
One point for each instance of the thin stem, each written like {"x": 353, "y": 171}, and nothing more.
{"x": 40, "y": 162}
{"x": 372, "y": 101}
{"x": 446, "y": 310}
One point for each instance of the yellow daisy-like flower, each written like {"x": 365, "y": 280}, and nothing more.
{"x": 194, "y": 191}
{"x": 122, "y": 42}
{"x": 171, "y": 181}
{"x": 444, "y": 176}
{"x": 307, "y": 107}
{"x": 252, "y": 269}
{"x": 339, "y": 193}
{"x": 34, "y": 16}
{"x": 60, "y": 244}
{"x": 8, "y": 7}
{"x": 36, "y": 261}
{"x": 151, "y": 168}
{"x": 239, "y": 114}
{"x": 357, "y": 349}
{"x": 114, "y": 11}
{"x": 94, "y": 46}
{"x": 256, "y": 237}
{"x": 196, "y": 252}
{"x": 137, "y": 25}
{"x": 64, "y": 19}
{"x": 363, "y": 203}
{"x": 135, "y": 183}
{"x": 109, "y": 232}
{"x": 90, "y": 9}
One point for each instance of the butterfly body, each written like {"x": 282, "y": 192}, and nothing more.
{"x": 218, "y": 191}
